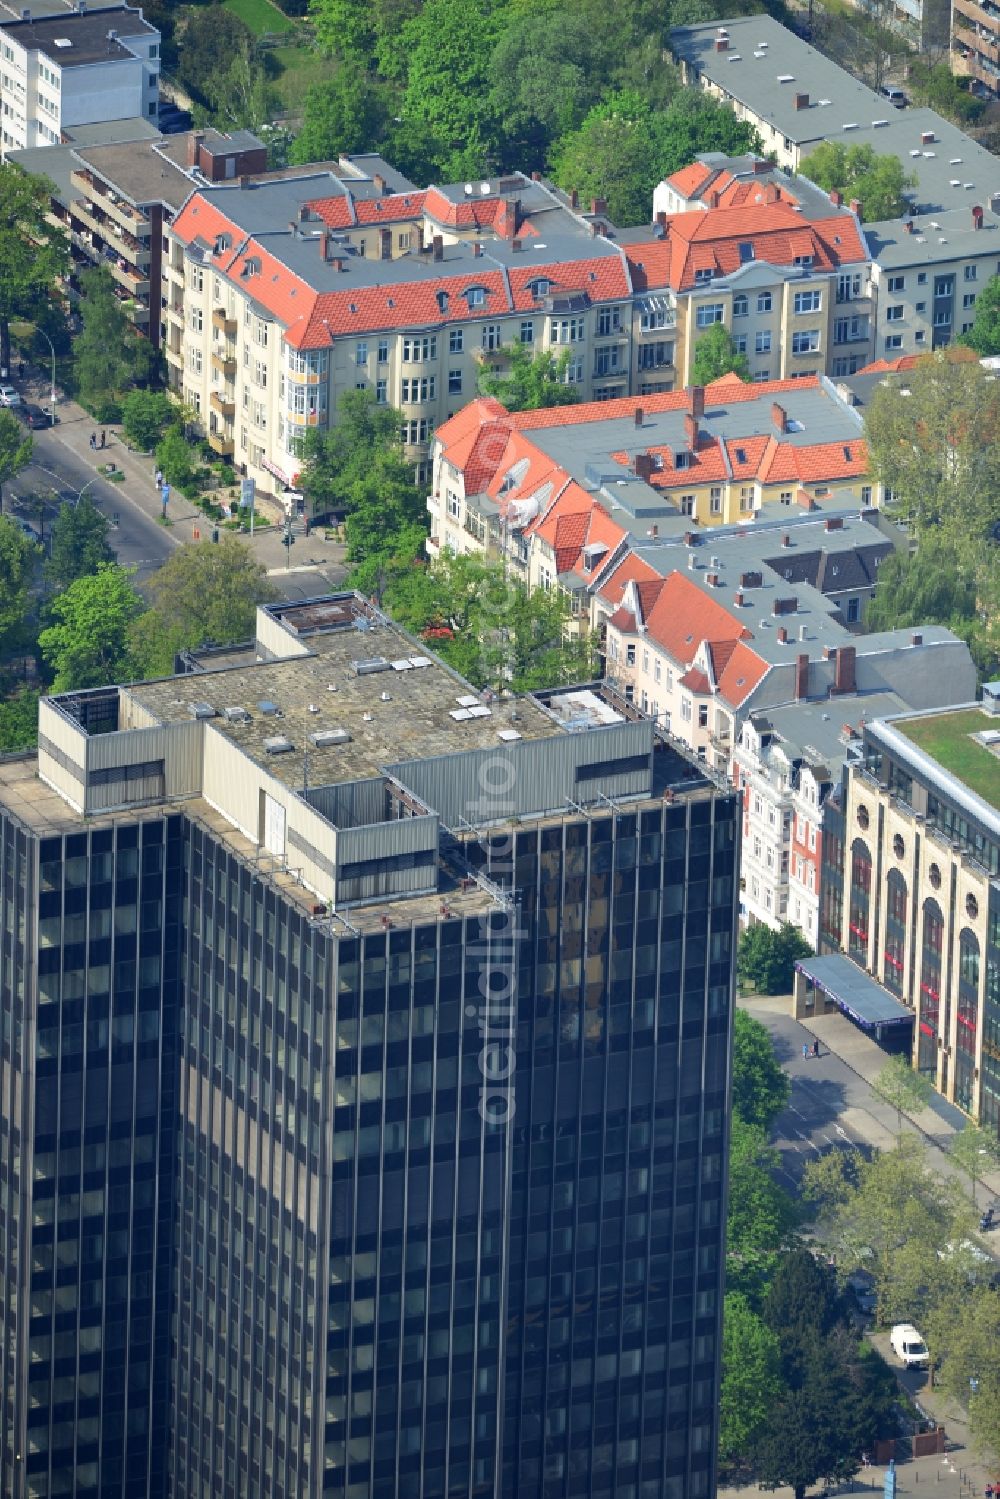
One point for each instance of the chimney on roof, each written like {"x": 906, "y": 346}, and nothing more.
{"x": 782, "y": 636}
{"x": 437, "y": 247}
{"x": 926, "y": 137}
{"x": 805, "y": 500}
{"x": 916, "y": 638}
{"x": 760, "y": 166}
{"x": 194, "y": 144}
{"x": 738, "y": 598}
{"x": 834, "y": 523}
{"x": 712, "y": 200}
{"x": 771, "y": 194}
{"x": 712, "y": 579}
{"x": 785, "y": 606}
{"x": 977, "y": 216}
{"x": 640, "y": 416}
{"x": 689, "y": 538}
{"x": 509, "y": 218}
{"x": 836, "y": 198}
{"x": 536, "y": 176}
{"x": 691, "y": 431}
{"x": 516, "y": 244}
{"x": 654, "y": 530}
{"x": 696, "y": 400}
{"x": 801, "y": 677}
{"x": 722, "y": 44}
{"x": 779, "y": 416}
{"x": 855, "y": 206}
{"x": 643, "y": 466}
{"x": 574, "y": 198}
{"x": 786, "y": 540}
{"x": 661, "y": 218}
{"x": 908, "y": 226}
{"x": 381, "y": 186}
{"x": 477, "y": 249}
{"x": 801, "y": 101}
{"x": 844, "y": 672}
{"x": 598, "y": 205}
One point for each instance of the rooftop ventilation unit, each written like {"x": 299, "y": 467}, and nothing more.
{"x": 269, "y": 709}
{"x": 369, "y": 667}
{"x": 201, "y": 710}
{"x": 278, "y": 745}
{"x": 460, "y": 714}
{"x": 468, "y": 701}
{"x": 236, "y": 715}
{"x": 324, "y": 738}
{"x": 419, "y": 661}
{"x": 480, "y": 712}
{"x": 403, "y": 665}
{"x": 786, "y": 77}
{"x": 509, "y": 735}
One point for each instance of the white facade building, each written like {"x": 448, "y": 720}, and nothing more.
{"x": 75, "y": 69}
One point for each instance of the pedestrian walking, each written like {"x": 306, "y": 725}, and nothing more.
{"x": 159, "y": 478}
{"x": 104, "y": 438}
{"x": 805, "y": 1050}
{"x": 20, "y": 369}
{"x": 815, "y": 1048}
{"x": 93, "y": 441}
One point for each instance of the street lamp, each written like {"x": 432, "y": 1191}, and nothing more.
{"x": 27, "y": 323}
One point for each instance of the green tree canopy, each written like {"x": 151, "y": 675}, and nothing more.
{"x": 898, "y": 1084}
{"x": 109, "y": 354}
{"x": 344, "y": 28}
{"x": 761, "y": 1213}
{"x": 209, "y": 591}
{"x": 544, "y": 80}
{"x": 765, "y": 959}
{"x": 15, "y": 448}
{"x": 176, "y": 458}
{"x": 334, "y": 461}
{"x": 344, "y": 113}
{"x": 935, "y": 85}
{"x": 760, "y": 1086}
{"x": 975, "y": 1150}
{"x": 530, "y": 380}
{"x": 88, "y": 643}
{"x": 449, "y": 44}
{"x": 212, "y": 35}
{"x": 239, "y": 94}
{"x": 715, "y": 355}
{"x": 78, "y": 543}
{"x": 984, "y": 335}
{"x": 751, "y": 1379}
{"x": 145, "y": 416}
{"x": 18, "y": 556}
{"x": 962, "y": 1331}
{"x": 33, "y": 255}
{"x": 19, "y": 722}
{"x": 879, "y": 182}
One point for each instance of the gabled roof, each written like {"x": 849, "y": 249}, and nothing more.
{"x": 742, "y": 673}
{"x": 631, "y": 569}
{"x": 345, "y": 211}
{"x": 683, "y": 616}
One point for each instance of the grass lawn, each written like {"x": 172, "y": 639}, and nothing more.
{"x": 300, "y": 68}
{"x": 260, "y": 15}
{"x": 946, "y": 738}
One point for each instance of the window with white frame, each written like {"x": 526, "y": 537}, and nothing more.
{"x": 806, "y": 341}
{"x": 764, "y": 301}
{"x": 195, "y": 320}
{"x": 419, "y": 350}
{"x": 456, "y": 340}
{"x": 567, "y": 330}
{"x": 715, "y": 500}
{"x": 762, "y": 341}
{"x": 708, "y": 314}
{"x": 808, "y": 301}
{"x": 423, "y": 388}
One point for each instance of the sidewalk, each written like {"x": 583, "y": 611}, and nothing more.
{"x": 73, "y": 430}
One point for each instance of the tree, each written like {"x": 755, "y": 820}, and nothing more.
{"x": 88, "y": 643}
{"x": 110, "y": 355}
{"x": 530, "y": 380}
{"x": 176, "y": 459}
{"x": 344, "y": 28}
{"x": 765, "y": 958}
{"x": 450, "y": 43}
{"x": 145, "y": 416}
{"x": 984, "y": 335}
{"x": 879, "y": 182}
{"x": 934, "y": 440}
{"x": 382, "y": 503}
{"x": 18, "y": 555}
{"x": 209, "y": 591}
{"x": 715, "y": 355}
{"x": 15, "y": 449}
{"x": 751, "y": 1378}
{"x": 344, "y": 113}
{"x": 78, "y": 544}
{"x": 760, "y": 1086}
{"x": 19, "y": 722}
{"x": 624, "y": 147}
{"x": 934, "y": 85}
{"x": 761, "y": 1213}
{"x": 336, "y": 460}
{"x": 212, "y": 34}
{"x": 900, "y": 1086}
{"x": 890, "y": 1215}
{"x": 975, "y": 1151}
{"x": 239, "y": 94}
{"x": 544, "y": 80}
{"x": 962, "y": 1332}
{"x": 34, "y": 256}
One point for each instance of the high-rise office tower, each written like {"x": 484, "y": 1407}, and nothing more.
{"x": 365, "y": 1072}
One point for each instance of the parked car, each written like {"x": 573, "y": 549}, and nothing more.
{"x": 9, "y": 396}
{"x": 862, "y": 1288}
{"x": 25, "y": 529}
{"x": 35, "y": 418}
{"x": 908, "y": 1346}
{"x": 895, "y": 96}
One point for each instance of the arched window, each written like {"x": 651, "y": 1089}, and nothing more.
{"x": 895, "y": 931}
{"x": 861, "y": 884}
{"x": 968, "y": 960}
{"x": 931, "y": 943}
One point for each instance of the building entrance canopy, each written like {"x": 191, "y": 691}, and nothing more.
{"x": 862, "y": 998}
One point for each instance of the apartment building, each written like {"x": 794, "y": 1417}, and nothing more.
{"x": 115, "y": 197}
{"x": 783, "y": 266}
{"x": 927, "y": 264}
{"x": 283, "y": 294}
{"x": 918, "y": 857}
{"x": 75, "y": 68}
{"x": 560, "y": 492}
{"x": 975, "y": 45}
{"x": 307, "y": 991}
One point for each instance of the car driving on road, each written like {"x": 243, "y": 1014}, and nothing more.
{"x": 9, "y": 396}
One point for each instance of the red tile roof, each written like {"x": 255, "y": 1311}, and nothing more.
{"x": 630, "y": 569}
{"x": 741, "y": 675}
{"x": 696, "y": 681}
{"x": 690, "y": 178}
{"x": 890, "y": 366}
{"x": 603, "y": 278}
{"x": 684, "y": 615}
{"x": 346, "y": 211}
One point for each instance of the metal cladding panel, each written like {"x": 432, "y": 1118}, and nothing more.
{"x": 387, "y": 850}
{"x": 179, "y": 746}
{"x": 531, "y": 777}
{"x": 232, "y": 782}
{"x": 387, "y": 840}
{"x": 57, "y": 729}
{"x": 352, "y": 804}
{"x": 274, "y": 641}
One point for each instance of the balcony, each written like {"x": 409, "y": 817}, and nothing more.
{"x": 109, "y": 203}
{"x": 135, "y": 283}
{"x": 175, "y": 356}
{"x": 221, "y": 444}
{"x": 979, "y": 14}
{"x": 223, "y": 322}
{"x": 222, "y": 402}
{"x": 224, "y": 363}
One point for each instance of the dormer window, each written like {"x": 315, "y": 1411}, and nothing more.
{"x": 682, "y": 459}
{"x": 476, "y": 296}
{"x": 251, "y": 266}
{"x": 702, "y": 278}
{"x": 539, "y": 287}
{"x": 442, "y": 301}
{"x": 805, "y": 261}
{"x": 746, "y": 251}
{"x": 741, "y": 455}
{"x": 223, "y": 242}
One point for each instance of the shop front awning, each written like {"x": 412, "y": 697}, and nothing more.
{"x": 861, "y": 997}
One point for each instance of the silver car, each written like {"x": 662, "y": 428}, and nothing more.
{"x": 9, "y": 396}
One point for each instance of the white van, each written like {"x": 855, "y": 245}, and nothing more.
{"x": 895, "y": 96}
{"x": 908, "y": 1346}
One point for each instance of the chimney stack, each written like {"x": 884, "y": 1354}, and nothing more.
{"x": 477, "y": 249}
{"x": 194, "y": 145}
{"x": 697, "y": 400}
{"x": 437, "y": 247}
{"x": 516, "y": 245}
{"x": 786, "y": 540}
{"x": 760, "y": 167}
{"x": 916, "y": 638}
{"x": 598, "y": 205}
{"x": 801, "y": 101}
{"x": 844, "y": 672}
{"x": 661, "y": 218}
{"x": 836, "y": 198}
{"x": 801, "y": 677}
{"x": 927, "y": 137}
{"x": 782, "y": 636}
{"x": 691, "y": 431}
{"x": 712, "y": 201}
{"x": 574, "y": 198}
{"x": 856, "y": 206}
{"x": 536, "y": 176}
{"x": 643, "y": 466}
{"x": 381, "y": 187}
{"x": 834, "y": 523}
{"x": 738, "y": 598}
{"x": 722, "y": 44}
{"x": 908, "y": 225}
{"x": 640, "y": 416}
{"x": 977, "y": 216}
{"x": 779, "y": 416}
